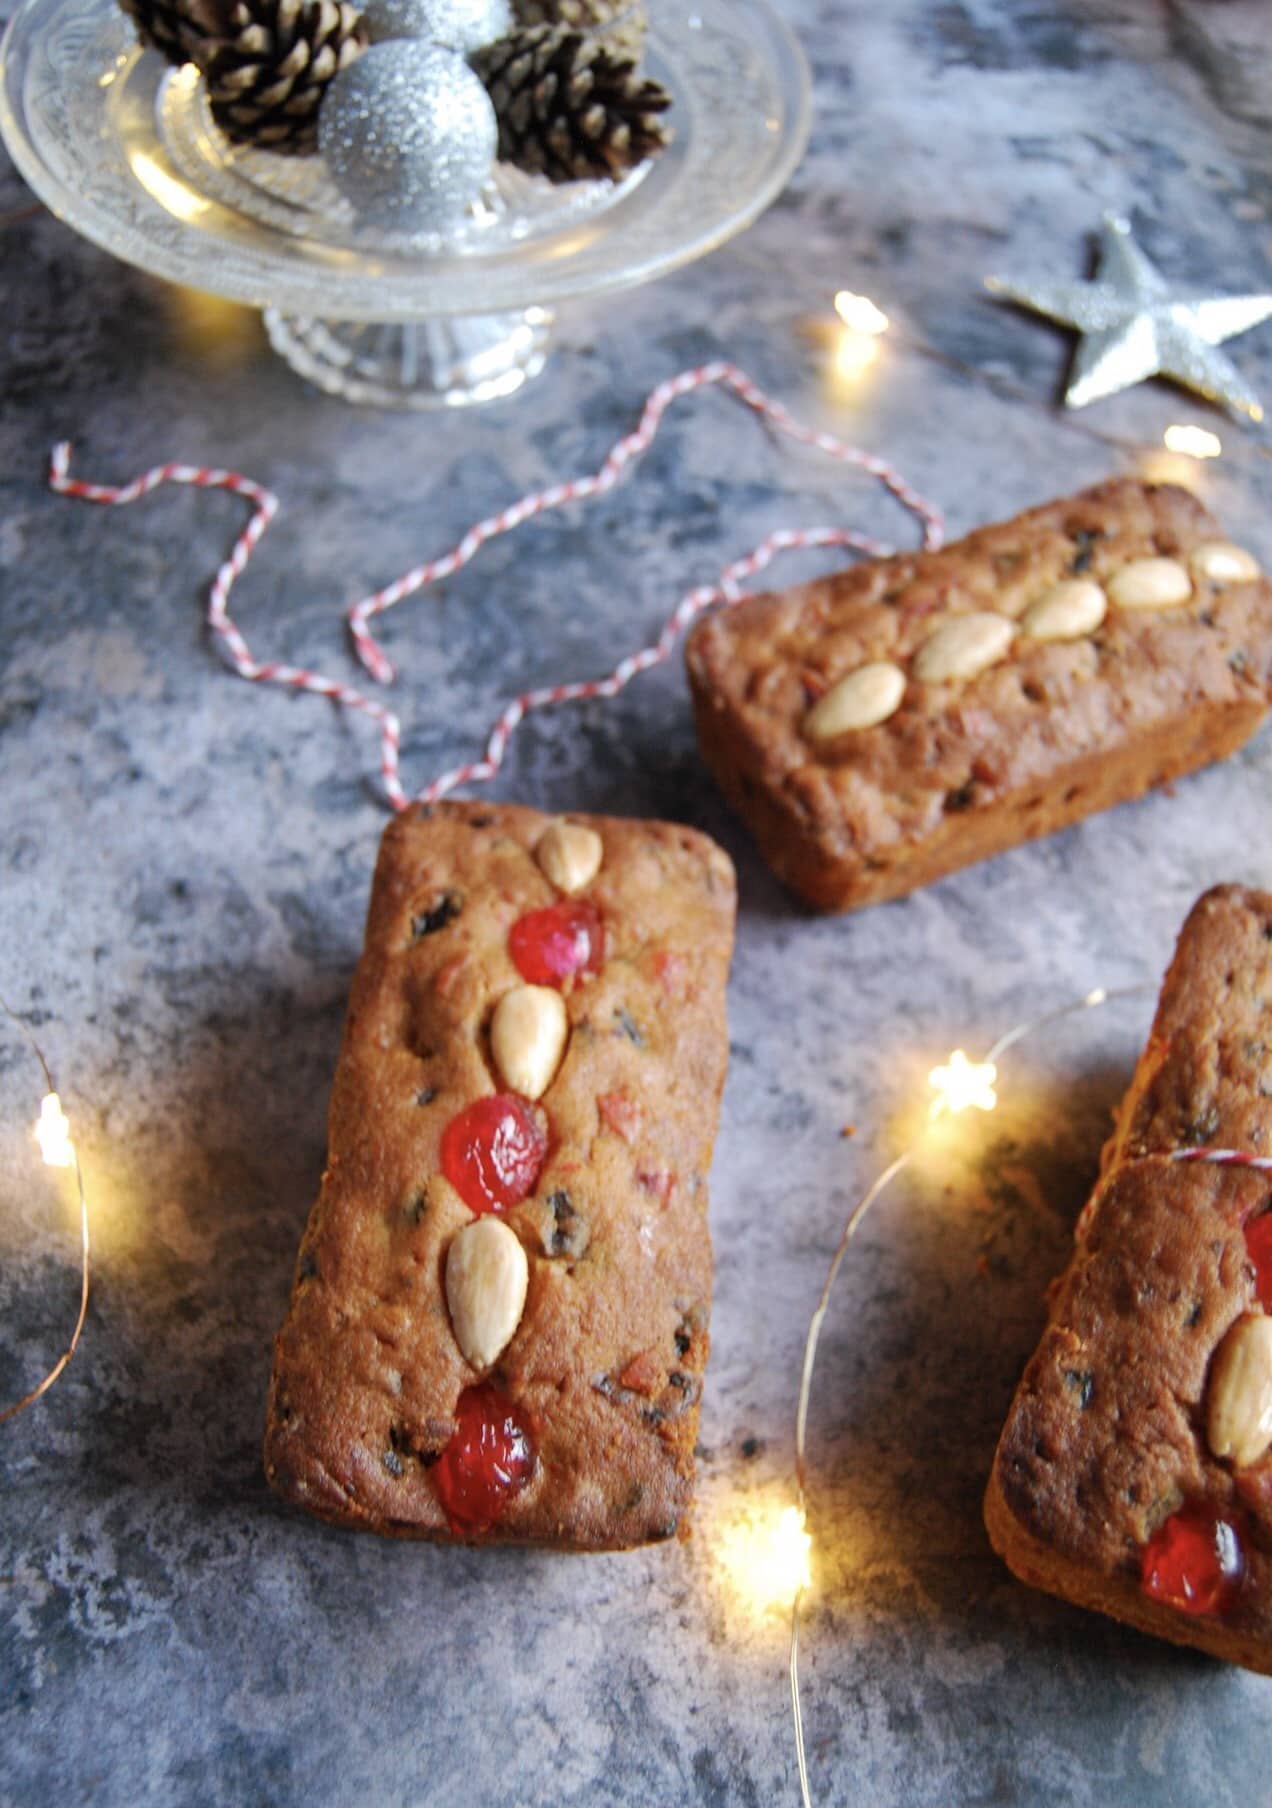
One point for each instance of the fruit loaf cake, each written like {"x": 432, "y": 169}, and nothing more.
{"x": 1134, "y": 1474}
{"x": 498, "y": 1326}
{"x": 886, "y": 725}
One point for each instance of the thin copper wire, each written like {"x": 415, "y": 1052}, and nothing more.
{"x": 856, "y": 1218}
{"x": 43, "y": 1386}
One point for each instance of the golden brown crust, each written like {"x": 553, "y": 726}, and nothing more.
{"x": 1034, "y": 1563}
{"x": 1106, "y": 1435}
{"x": 961, "y": 771}
{"x": 608, "y": 1359}
{"x": 1206, "y": 1073}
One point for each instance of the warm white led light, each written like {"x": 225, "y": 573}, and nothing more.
{"x": 1194, "y": 442}
{"x": 53, "y": 1133}
{"x": 962, "y": 1085}
{"x": 765, "y": 1555}
{"x": 860, "y": 313}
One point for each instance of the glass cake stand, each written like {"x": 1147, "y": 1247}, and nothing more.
{"x": 124, "y": 149}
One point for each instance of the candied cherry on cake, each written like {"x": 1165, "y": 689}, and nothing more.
{"x": 492, "y": 1152}
{"x": 487, "y": 1462}
{"x": 1194, "y": 1561}
{"x": 1258, "y": 1236}
{"x": 552, "y": 945}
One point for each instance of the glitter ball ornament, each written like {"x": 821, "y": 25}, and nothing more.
{"x": 463, "y": 25}
{"x": 409, "y": 135}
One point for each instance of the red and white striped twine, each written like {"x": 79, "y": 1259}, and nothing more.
{"x": 1224, "y": 1158}
{"x": 1218, "y": 1158}
{"x": 725, "y": 590}
{"x": 221, "y": 622}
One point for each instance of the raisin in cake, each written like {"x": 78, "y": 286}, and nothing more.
{"x": 498, "y": 1327}
{"x": 1134, "y": 1474}
{"x": 886, "y": 725}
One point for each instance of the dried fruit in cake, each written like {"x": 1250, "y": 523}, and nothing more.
{"x": 1194, "y": 1562}
{"x": 1134, "y": 1473}
{"x": 1258, "y": 1236}
{"x": 492, "y": 1152}
{"x": 514, "y": 1214}
{"x": 559, "y": 943}
{"x": 886, "y": 725}
{"x": 487, "y": 1461}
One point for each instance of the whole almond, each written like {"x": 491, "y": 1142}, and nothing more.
{"x": 963, "y": 645}
{"x": 863, "y": 699}
{"x": 1150, "y": 584}
{"x": 1239, "y": 1409}
{"x": 527, "y": 1038}
{"x": 486, "y": 1279}
{"x": 570, "y": 855}
{"x": 1066, "y": 612}
{"x": 1223, "y": 563}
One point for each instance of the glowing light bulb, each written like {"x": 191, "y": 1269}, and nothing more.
{"x": 53, "y": 1133}
{"x": 1194, "y": 442}
{"x": 766, "y": 1557}
{"x": 854, "y": 355}
{"x": 962, "y": 1085}
{"x": 789, "y": 1553}
{"x": 860, "y": 313}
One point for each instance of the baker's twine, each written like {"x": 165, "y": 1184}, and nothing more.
{"x": 726, "y": 590}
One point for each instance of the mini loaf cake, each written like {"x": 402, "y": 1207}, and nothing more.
{"x": 883, "y": 726}
{"x": 498, "y": 1327}
{"x": 1134, "y": 1474}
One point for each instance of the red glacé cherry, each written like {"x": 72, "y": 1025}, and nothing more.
{"x": 1258, "y": 1236}
{"x": 488, "y": 1460}
{"x": 549, "y": 946}
{"x": 1194, "y": 1561}
{"x": 492, "y": 1152}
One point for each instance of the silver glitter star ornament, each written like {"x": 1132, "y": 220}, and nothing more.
{"x": 1135, "y": 325}
{"x": 408, "y": 134}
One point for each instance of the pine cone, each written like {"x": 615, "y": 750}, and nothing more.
{"x": 567, "y": 108}
{"x": 266, "y": 62}
{"x": 173, "y": 26}
{"x": 268, "y": 69}
{"x": 621, "y": 23}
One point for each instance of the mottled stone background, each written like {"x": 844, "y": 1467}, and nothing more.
{"x": 185, "y": 865}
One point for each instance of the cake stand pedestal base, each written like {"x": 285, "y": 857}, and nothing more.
{"x": 443, "y": 363}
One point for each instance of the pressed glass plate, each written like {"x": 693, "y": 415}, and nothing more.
{"x": 124, "y": 149}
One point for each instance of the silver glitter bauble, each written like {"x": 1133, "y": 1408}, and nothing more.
{"x": 463, "y": 25}
{"x": 409, "y": 136}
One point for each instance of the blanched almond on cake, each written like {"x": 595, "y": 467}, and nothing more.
{"x": 1224, "y": 563}
{"x": 1239, "y": 1409}
{"x": 486, "y": 1279}
{"x": 1150, "y": 584}
{"x": 569, "y": 855}
{"x": 964, "y": 645}
{"x": 1066, "y": 612}
{"x": 853, "y": 821}
{"x": 527, "y": 1038}
{"x": 863, "y": 699}
{"x": 504, "y": 1234}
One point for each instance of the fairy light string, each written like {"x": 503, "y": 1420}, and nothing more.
{"x": 957, "y": 1085}
{"x": 52, "y": 1132}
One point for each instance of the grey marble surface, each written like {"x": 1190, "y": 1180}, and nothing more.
{"x": 185, "y": 864}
